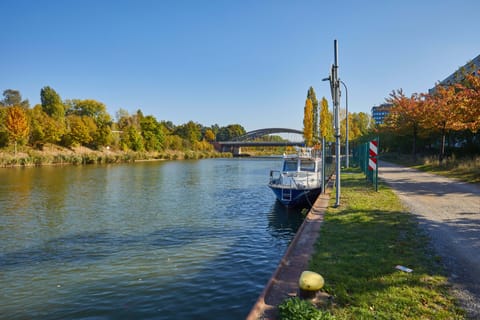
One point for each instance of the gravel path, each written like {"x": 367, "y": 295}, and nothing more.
{"x": 450, "y": 213}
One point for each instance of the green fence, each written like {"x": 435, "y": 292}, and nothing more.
{"x": 363, "y": 156}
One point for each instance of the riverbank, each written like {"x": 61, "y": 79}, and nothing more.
{"x": 362, "y": 242}
{"x": 55, "y": 155}
{"x": 358, "y": 247}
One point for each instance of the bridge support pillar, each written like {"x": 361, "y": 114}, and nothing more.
{"x": 237, "y": 151}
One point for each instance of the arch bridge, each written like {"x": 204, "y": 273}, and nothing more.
{"x": 250, "y": 139}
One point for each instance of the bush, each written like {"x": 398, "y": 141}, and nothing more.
{"x": 297, "y": 309}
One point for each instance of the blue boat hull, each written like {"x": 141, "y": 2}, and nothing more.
{"x": 296, "y": 197}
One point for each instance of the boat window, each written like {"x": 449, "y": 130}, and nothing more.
{"x": 307, "y": 165}
{"x": 290, "y": 165}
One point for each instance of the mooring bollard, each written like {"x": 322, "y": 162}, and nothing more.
{"x": 310, "y": 283}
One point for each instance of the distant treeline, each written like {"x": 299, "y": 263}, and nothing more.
{"x": 75, "y": 122}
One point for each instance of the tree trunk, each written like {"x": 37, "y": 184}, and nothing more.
{"x": 442, "y": 150}
{"x": 414, "y": 147}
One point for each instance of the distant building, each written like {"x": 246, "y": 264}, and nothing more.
{"x": 471, "y": 67}
{"x": 380, "y": 112}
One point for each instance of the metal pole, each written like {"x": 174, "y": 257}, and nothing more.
{"x": 347, "y": 152}
{"x": 323, "y": 165}
{"x": 336, "y": 104}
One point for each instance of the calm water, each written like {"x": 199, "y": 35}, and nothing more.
{"x": 156, "y": 240}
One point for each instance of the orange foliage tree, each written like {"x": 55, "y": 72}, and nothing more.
{"x": 469, "y": 103}
{"x": 17, "y": 124}
{"x": 407, "y": 115}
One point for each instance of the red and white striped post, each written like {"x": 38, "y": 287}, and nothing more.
{"x": 373, "y": 151}
{"x": 372, "y": 160}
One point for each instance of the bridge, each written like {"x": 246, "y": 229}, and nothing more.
{"x": 250, "y": 139}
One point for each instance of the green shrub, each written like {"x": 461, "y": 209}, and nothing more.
{"x": 297, "y": 309}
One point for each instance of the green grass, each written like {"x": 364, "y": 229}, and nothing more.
{"x": 360, "y": 244}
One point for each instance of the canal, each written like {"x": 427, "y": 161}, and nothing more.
{"x": 152, "y": 240}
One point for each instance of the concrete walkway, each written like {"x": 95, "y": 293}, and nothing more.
{"x": 450, "y": 213}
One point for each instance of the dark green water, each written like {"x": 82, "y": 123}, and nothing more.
{"x": 156, "y": 240}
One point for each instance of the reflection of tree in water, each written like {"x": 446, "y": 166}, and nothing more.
{"x": 284, "y": 222}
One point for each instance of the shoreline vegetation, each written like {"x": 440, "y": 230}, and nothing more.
{"x": 57, "y": 156}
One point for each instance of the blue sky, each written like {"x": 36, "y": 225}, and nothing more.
{"x": 249, "y": 62}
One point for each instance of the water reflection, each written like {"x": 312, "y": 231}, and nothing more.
{"x": 149, "y": 240}
{"x": 282, "y": 221}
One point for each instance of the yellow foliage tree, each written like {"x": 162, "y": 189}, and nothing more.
{"x": 308, "y": 123}
{"x": 17, "y": 124}
{"x": 326, "y": 121}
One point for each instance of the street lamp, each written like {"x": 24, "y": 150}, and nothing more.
{"x": 335, "y": 88}
{"x": 346, "y": 125}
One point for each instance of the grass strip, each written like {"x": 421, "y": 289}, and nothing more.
{"x": 360, "y": 244}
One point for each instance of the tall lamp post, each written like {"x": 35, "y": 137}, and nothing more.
{"x": 347, "y": 154}
{"x": 335, "y": 88}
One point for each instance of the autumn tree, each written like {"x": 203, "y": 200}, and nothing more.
{"x": 82, "y": 131}
{"x": 406, "y": 116}
{"x": 43, "y": 128}
{"x": 308, "y": 123}
{"x": 209, "y": 135}
{"x": 444, "y": 114}
{"x": 52, "y": 103}
{"x": 326, "y": 121}
{"x": 315, "y": 116}
{"x": 3, "y": 129}
{"x": 17, "y": 125}
{"x": 97, "y": 111}
{"x": 468, "y": 103}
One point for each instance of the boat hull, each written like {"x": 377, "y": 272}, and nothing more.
{"x": 291, "y": 197}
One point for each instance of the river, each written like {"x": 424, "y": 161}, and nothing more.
{"x": 152, "y": 240}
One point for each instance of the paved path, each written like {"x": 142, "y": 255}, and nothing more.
{"x": 450, "y": 212}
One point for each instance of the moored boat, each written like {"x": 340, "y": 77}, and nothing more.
{"x": 300, "y": 180}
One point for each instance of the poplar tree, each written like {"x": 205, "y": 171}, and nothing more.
{"x": 326, "y": 121}
{"x": 308, "y": 123}
{"x": 52, "y": 103}
{"x": 313, "y": 98}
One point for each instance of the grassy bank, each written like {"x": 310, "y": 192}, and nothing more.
{"x": 359, "y": 246}
{"x": 79, "y": 156}
{"x": 464, "y": 169}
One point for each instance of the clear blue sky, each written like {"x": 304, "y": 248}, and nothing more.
{"x": 249, "y": 62}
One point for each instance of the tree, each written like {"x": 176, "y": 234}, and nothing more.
{"x": 312, "y": 96}
{"x": 469, "y": 103}
{"x": 152, "y": 133}
{"x": 308, "y": 123}
{"x": 326, "y": 121}
{"x": 52, "y": 103}
{"x": 97, "y": 111}
{"x": 209, "y": 135}
{"x": 82, "y": 130}
{"x": 407, "y": 115}
{"x": 16, "y": 123}
{"x": 443, "y": 113}
{"x": 189, "y": 131}
{"x": 13, "y": 98}
{"x": 230, "y": 132}
{"x": 132, "y": 139}
{"x": 44, "y": 128}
